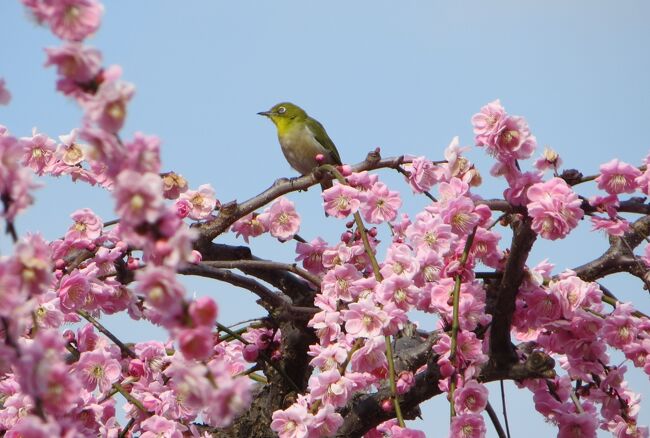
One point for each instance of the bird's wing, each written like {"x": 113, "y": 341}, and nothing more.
{"x": 321, "y": 137}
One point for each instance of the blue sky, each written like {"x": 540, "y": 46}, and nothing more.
{"x": 405, "y": 76}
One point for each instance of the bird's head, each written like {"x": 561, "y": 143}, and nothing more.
{"x": 284, "y": 113}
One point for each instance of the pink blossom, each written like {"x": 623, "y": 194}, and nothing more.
{"x": 460, "y": 214}
{"x": 196, "y": 343}
{"x": 467, "y": 426}
{"x": 341, "y": 200}
{"x": 582, "y": 425}
{"x": 97, "y": 369}
{"x": 203, "y": 311}
{"x": 405, "y": 432}
{"x": 364, "y": 319}
{"x": 293, "y": 422}
{"x": 5, "y": 96}
{"x": 107, "y": 107}
{"x": 327, "y": 357}
{"x": 143, "y": 155}
{"x": 338, "y": 281}
{"x": 618, "y": 177}
{"x": 249, "y": 226}
{"x": 74, "y": 20}
{"x": 380, "y": 204}
{"x": 78, "y": 68}
{"x": 399, "y": 290}
{"x": 613, "y": 226}
{"x": 281, "y": 219}
{"x": 160, "y": 286}
{"x": 506, "y": 137}
{"x": 326, "y": 324}
{"x": 39, "y": 152}
{"x": 173, "y": 185}
{"x": 423, "y": 174}
{"x": 32, "y": 264}
{"x": 620, "y": 327}
{"x": 371, "y": 357}
{"x": 549, "y": 159}
{"x": 405, "y": 382}
{"x": 429, "y": 232}
{"x": 399, "y": 261}
{"x": 183, "y": 208}
{"x": 31, "y": 426}
{"x": 231, "y": 398}
{"x": 69, "y": 151}
{"x": 74, "y": 291}
{"x": 362, "y": 180}
{"x": 487, "y": 122}
{"x": 160, "y": 427}
{"x": 311, "y": 255}
{"x": 554, "y": 208}
{"x": 643, "y": 181}
{"x": 138, "y": 197}
{"x": 472, "y": 397}
{"x": 202, "y": 201}
{"x": 519, "y": 185}
{"x": 87, "y": 225}
{"x": 331, "y": 387}
{"x": 326, "y": 422}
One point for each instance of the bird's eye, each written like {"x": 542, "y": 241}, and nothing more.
{"x": 282, "y": 110}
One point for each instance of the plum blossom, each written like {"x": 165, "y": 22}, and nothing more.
{"x": 467, "y": 425}
{"x": 281, "y": 219}
{"x": 380, "y": 204}
{"x": 107, "y": 107}
{"x": 364, "y": 319}
{"x": 331, "y": 387}
{"x": 74, "y": 20}
{"x": 293, "y": 422}
{"x": 78, "y": 67}
{"x": 423, "y": 174}
{"x": 39, "y": 152}
{"x": 249, "y": 226}
{"x": 97, "y": 369}
{"x": 472, "y": 397}
{"x": 159, "y": 427}
{"x": 69, "y": 151}
{"x": 311, "y": 255}
{"x": 87, "y": 226}
{"x": 138, "y": 197}
{"x": 554, "y": 208}
{"x": 173, "y": 185}
{"x": 341, "y": 200}
{"x": 202, "y": 201}
{"x": 617, "y": 177}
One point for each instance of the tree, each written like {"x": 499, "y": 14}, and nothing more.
{"x": 337, "y": 353}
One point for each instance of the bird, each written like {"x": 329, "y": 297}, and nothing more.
{"x": 302, "y": 139}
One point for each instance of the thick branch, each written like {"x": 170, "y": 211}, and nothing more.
{"x": 290, "y": 284}
{"x": 619, "y": 257}
{"x": 501, "y": 303}
{"x": 273, "y": 299}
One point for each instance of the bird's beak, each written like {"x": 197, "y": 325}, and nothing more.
{"x": 265, "y": 113}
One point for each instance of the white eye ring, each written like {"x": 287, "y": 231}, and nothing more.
{"x": 282, "y": 110}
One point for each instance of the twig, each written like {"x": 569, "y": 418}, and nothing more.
{"x": 126, "y": 351}
{"x": 495, "y": 421}
{"x": 263, "y": 264}
{"x": 274, "y": 299}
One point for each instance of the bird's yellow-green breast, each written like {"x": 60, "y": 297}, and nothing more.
{"x": 301, "y": 137}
